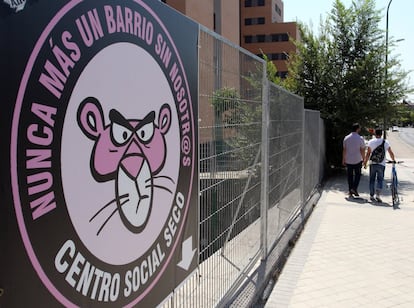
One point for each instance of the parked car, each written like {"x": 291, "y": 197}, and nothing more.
{"x": 395, "y": 128}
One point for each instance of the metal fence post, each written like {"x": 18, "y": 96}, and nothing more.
{"x": 265, "y": 163}
{"x": 302, "y": 194}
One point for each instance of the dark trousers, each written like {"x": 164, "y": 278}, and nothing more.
{"x": 354, "y": 175}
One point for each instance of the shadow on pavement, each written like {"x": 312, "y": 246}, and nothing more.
{"x": 356, "y": 200}
{"x": 384, "y": 204}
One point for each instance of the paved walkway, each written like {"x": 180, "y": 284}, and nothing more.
{"x": 352, "y": 252}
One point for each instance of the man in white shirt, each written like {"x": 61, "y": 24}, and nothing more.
{"x": 353, "y": 154}
{"x": 377, "y": 169}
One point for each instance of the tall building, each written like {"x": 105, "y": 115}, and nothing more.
{"x": 255, "y": 25}
{"x": 221, "y": 16}
{"x": 262, "y": 30}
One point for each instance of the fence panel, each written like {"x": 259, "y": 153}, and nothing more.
{"x": 230, "y": 90}
{"x": 285, "y": 159}
{"x": 233, "y": 102}
{"x": 313, "y": 131}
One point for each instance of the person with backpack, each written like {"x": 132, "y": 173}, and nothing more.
{"x": 377, "y": 147}
{"x": 353, "y": 152}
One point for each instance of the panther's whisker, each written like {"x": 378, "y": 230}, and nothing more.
{"x": 161, "y": 177}
{"x": 106, "y": 221}
{"x": 160, "y": 187}
{"x": 106, "y": 205}
{"x": 112, "y": 214}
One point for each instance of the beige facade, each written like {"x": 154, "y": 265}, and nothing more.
{"x": 256, "y": 25}
{"x": 253, "y": 24}
{"x": 220, "y": 16}
{"x": 263, "y": 30}
{"x": 223, "y": 18}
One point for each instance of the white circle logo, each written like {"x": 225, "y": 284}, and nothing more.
{"x": 103, "y": 148}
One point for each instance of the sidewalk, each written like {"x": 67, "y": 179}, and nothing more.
{"x": 352, "y": 252}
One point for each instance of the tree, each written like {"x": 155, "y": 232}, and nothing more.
{"x": 402, "y": 115}
{"x": 271, "y": 70}
{"x": 341, "y": 72}
{"x": 230, "y": 112}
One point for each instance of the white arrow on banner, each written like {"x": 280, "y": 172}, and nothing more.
{"x": 188, "y": 254}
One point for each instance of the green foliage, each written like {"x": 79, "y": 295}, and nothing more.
{"x": 271, "y": 71}
{"x": 402, "y": 115}
{"x": 342, "y": 72}
{"x": 224, "y": 99}
{"x": 230, "y": 112}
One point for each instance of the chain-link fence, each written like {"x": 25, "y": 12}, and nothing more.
{"x": 260, "y": 160}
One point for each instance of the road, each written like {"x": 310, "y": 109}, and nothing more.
{"x": 407, "y": 134}
{"x": 402, "y": 143}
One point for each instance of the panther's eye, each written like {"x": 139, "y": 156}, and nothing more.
{"x": 146, "y": 132}
{"x": 120, "y": 134}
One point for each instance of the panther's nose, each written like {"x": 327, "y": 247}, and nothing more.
{"x": 132, "y": 161}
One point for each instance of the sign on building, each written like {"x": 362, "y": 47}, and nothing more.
{"x": 99, "y": 178}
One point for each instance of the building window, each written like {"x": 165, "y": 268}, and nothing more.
{"x": 282, "y": 75}
{"x": 278, "y": 10}
{"x": 254, "y": 21}
{"x": 252, "y": 3}
{"x": 275, "y": 56}
{"x": 262, "y": 38}
{"x": 214, "y": 22}
{"x": 280, "y": 37}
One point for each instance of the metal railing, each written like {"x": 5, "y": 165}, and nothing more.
{"x": 261, "y": 158}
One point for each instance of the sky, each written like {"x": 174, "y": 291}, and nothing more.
{"x": 400, "y": 16}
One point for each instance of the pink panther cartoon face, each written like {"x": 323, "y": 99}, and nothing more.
{"x": 130, "y": 152}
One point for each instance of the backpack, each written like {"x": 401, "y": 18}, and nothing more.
{"x": 378, "y": 154}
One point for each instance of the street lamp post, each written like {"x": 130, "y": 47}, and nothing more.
{"x": 386, "y": 67}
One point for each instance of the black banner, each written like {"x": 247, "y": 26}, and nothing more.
{"x": 99, "y": 168}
